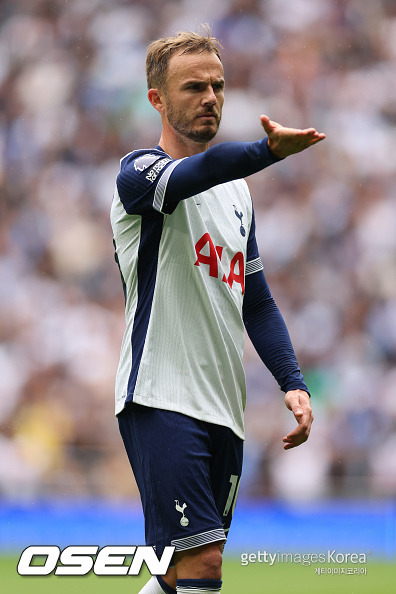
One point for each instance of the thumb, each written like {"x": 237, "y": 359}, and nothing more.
{"x": 298, "y": 411}
{"x": 267, "y": 124}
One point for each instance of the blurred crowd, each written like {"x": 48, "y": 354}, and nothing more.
{"x": 72, "y": 103}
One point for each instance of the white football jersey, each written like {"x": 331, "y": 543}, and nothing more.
{"x": 183, "y": 275}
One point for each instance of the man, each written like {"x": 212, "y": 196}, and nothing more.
{"x": 184, "y": 236}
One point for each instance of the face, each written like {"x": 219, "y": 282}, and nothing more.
{"x": 194, "y": 95}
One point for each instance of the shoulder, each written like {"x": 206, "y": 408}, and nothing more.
{"x": 143, "y": 158}
{"x": 138, "y": 178}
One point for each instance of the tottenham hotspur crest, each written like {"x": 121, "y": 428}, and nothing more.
{"x": 239, "y": 215}
{"x": 180, "y": 508}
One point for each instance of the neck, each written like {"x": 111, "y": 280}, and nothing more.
{"x": 178, "y": 147}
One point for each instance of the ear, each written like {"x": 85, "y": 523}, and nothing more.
{"x": 156, "y": 99}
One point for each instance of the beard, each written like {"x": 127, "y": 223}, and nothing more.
{"x": 181, "y": 123}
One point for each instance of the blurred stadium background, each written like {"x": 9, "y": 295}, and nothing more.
{"x": 72, "y": 102}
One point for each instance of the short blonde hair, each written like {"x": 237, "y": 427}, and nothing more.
{"x": 160, "y": 51}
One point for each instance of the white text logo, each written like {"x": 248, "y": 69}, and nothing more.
{"x": 78, "y": 560}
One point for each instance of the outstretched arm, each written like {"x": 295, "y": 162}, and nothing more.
{"x": 232, "y": 160}
{"x": 161, "y": 182}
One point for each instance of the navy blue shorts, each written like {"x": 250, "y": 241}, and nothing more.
{"x": 187, "y": 472}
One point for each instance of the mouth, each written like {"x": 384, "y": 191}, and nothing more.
{"x": 208, "y": 115}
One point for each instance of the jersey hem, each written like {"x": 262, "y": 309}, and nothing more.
{"x": 120, "y": 405}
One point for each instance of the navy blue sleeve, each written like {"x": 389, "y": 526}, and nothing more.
{"x": 139, "y": 180}
{"x": 220, "y": 163}
{"x": 267, "y": 331}
{"x": 152, "y": 180}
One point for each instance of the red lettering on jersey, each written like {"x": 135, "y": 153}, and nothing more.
{"x": 240, "y": 277}
{"x": 210, "y": 260}
{"x": 219, "y": 250}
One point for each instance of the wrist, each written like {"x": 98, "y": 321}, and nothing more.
{"x": 272, "y": 152}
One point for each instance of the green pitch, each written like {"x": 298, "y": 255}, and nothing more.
{"x": 238, "y": 579}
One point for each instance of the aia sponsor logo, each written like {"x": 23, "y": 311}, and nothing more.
{"x": 237, "y": 265}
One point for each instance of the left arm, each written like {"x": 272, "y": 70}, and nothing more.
{"x": 270, "y": 337}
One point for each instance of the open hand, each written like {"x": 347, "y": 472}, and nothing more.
{"x": 287, "y": 141}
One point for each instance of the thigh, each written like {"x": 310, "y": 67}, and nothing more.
{"x": 171, "y": 458}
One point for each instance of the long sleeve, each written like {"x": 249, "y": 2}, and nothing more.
{"x": 268, "y": 332}
{"x": 149, "y": 180}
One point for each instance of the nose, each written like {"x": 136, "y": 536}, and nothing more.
{"x": 210, "y": 97}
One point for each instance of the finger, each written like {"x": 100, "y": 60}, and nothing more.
{"x": 297, "y": 436}
{"x": 312, "y": 131}
{"x": 290, "y": 445}
{"x": 299, "y": 431}
{"x": 267, "y": 124}
{"x": 303, "y": 428}
{"x": 294, "y": 444}
{"x": 313, "y": 136}
{"x": 301, "y": 411}
{"x": 297, "y": 411}
{"x": 317, "y": 139}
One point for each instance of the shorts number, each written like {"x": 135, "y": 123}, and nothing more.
{"x": 232, "y": 495}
